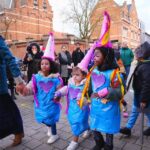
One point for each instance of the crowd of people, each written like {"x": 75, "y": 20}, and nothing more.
{"x": 94, "y": 85}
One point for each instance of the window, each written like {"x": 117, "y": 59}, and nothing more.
{"x": 125, "y": 32}
{"x": 35, "y": 3}
{"x": 23, "y": 2}
{"x": 44, "y": 4}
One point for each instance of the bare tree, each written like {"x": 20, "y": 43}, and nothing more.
{"x": 80, "y": 12}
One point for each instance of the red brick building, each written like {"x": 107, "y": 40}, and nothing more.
{"x": 125, "y": 25}
{"x": 25, "y": 19}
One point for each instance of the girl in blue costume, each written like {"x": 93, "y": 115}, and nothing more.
{"x": 43, "y": 85}
{"x": 77, "y": 117}
{"x": 106, "y": 93}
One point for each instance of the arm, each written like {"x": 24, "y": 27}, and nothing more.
{"x": 145, "y": 82}
{"x": 131, "y": 54}
{"x": 10, "y": 61}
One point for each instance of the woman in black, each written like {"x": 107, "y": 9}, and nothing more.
{"x": 32, "y": 59}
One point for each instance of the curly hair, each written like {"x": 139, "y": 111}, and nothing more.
{"x": 54, "y": 67}
{"x": 109, "y": 59}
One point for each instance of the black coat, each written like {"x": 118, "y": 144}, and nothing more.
{"x": 141, "y": 82}
{"x": 77, "y": 56}
{"x": 33, "y": 65}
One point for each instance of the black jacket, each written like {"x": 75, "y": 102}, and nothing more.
{"x": 141, "y": 82}
{"x": 33, "y": 66}
{"x": 77, "y": 56}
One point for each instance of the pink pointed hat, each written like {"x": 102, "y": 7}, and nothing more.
{"x": 102, "y": 41}
{"x": 83, "y": 65}
{"x": 50, "y": 48}
{"x": 105, "y": 32}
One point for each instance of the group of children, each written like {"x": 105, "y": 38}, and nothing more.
{"x": 93, "y": 97}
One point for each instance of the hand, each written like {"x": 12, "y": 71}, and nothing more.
{"x": 29, "y": 58}
{"x": 102, "y": 93}
{"x": 25, "y": 91}
{"x": 57, "y": 95}
{"x": 20, "y": 87}
{"x": 142, "y": 105}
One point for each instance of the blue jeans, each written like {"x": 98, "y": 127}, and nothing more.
{"x": 53, "y": 129}
{"x": 127, "y": 68}
{"x": 133, "y": 117}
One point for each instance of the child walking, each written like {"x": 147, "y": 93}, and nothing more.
{"x": 107, "y": 90}
{"x": 77, "y": 116}
{"x": 43, "y": 85}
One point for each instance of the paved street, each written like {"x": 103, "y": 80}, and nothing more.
{"x": 35, "y": 134}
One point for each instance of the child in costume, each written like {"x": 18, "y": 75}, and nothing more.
{"x": 107, "y": 90}
{"x": 43, "y": 85}
{"x": 77, "y": 116}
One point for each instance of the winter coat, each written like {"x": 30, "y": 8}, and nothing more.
{"x": 127, "y": 56}
{"x": 33, "y": 65}
{"x": 141, "y": 82}
{"x": 6, "y": 59}
{"x": 77, "y": 56}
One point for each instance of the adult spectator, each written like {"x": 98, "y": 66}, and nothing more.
{"x": 32, "y": 59}
{"x": 127, "y": 56}
{"x": 10, "y": 118}
{"x": 141, "y": 87}
{"x": 77, "y": 55}
{"x": 65, "y": 63}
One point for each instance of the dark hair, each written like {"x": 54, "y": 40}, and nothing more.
{"x": 109, "y": 59}
{"x": 143, "y": 51}
{"x": 29, "y": 48}
{"x": 78, "y": 69}
{"x": 54, "y": 67}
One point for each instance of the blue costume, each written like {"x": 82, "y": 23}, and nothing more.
{"x": 103, "y": 117}
{"x": 78, "y": 118}
{"x": 47, "y": 111}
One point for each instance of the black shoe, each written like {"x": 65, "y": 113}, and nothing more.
{"x": 147, "y": 132}
{"x": 125, "y": 131}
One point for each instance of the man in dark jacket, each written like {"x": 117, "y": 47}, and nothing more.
{"x": 141, "y": 87}
{"x": 77, "y": 55}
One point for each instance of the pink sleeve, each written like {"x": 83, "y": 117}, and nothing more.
{"x": 64, "y": 90}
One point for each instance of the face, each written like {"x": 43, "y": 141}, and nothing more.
{"x": 64, "y": 48}
{"x": 98, "y": 57}
{"x": 34, "y": 49}
{"x": 45, "y": 66}
{"x": 78, "y": 76}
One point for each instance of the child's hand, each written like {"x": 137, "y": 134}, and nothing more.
{"x": 57, "y": 95}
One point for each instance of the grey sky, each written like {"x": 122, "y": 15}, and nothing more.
{"x": 143, "y": 10}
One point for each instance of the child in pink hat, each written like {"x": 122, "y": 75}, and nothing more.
{"x": 77, "y": 116}
{"x": 43, "y": 85}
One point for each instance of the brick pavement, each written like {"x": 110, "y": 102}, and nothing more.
{"x": 36, "y": 138}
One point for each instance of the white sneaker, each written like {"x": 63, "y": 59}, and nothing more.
{"x": 86, "y": 134}
{"x": 52, "y": 139}
{"x": 49, "y": 132}
{"x": 72, "y": 146}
